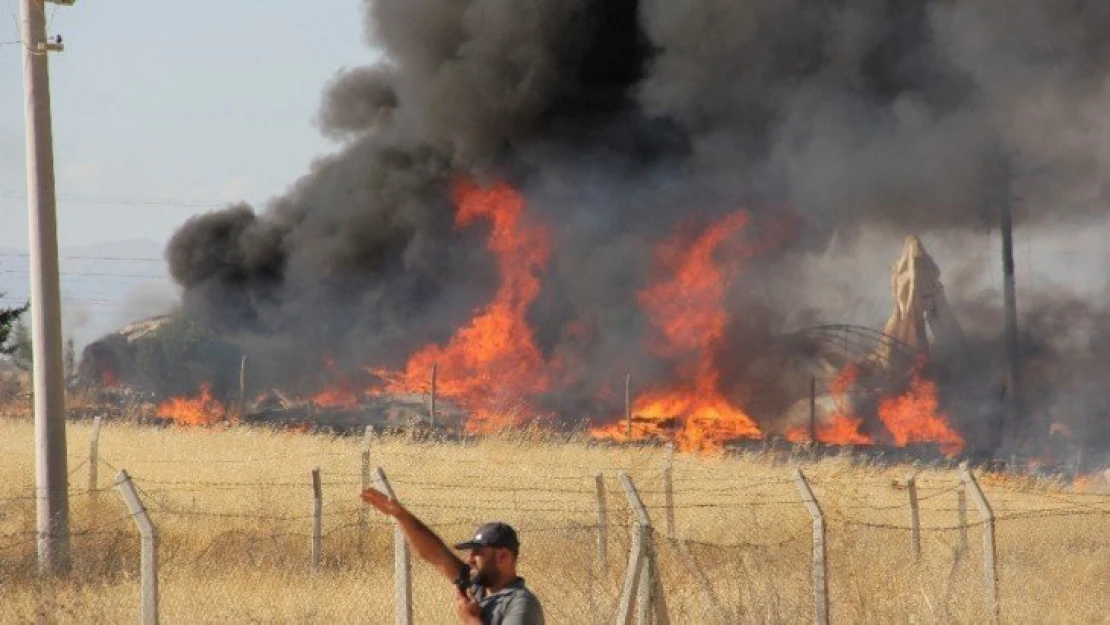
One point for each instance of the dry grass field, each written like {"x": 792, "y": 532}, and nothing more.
{"x": 233, "y": 508}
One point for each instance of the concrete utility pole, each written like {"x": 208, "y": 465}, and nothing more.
{"x": 46, "y": 327}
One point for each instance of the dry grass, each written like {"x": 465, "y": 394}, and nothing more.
{"x": 233, "y": 510}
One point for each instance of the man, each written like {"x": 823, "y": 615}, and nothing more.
{"x": 487, "y": 589}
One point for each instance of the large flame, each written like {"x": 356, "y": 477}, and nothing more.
{"x": 493, "y": 358}
{"x": 201, "y": 410}
{"x": 687, "y": 310}
{"x": 915, "y": 417}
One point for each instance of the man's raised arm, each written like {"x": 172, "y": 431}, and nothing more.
{"x": 424, "y": 541}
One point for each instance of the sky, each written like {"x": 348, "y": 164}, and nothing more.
{"x": 162, "y": 110}
{"x": 172, "y": 107}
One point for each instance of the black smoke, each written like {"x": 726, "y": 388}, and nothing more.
{"x": 618, "y": 120}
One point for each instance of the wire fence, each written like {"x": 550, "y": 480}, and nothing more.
{"x": 237, "y": 536}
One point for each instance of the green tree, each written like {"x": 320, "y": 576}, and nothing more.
{"x": 9, "y": 333}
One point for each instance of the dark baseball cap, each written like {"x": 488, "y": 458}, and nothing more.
{"x": 493, "y": 535}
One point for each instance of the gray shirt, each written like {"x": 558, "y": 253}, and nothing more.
{"x": 512, "y": 605}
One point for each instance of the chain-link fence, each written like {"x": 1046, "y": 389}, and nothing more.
{"x": 730, "y": 541}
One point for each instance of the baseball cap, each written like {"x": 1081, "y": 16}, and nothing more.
{"x": 495, "y": 534}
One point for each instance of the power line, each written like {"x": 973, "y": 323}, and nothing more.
{"x": 92, "y": 274}
{"x": 123, "y": 200}
{"x": 145, "y": 259}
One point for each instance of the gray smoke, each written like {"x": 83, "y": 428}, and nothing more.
{"x": 622, "y": 119}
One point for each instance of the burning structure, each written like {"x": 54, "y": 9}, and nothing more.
{"x": 541, "y": 198}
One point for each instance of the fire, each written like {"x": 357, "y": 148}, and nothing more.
{"x": 842, "y": 428}
{"x": 341, "y": 397}
{"x": 202, "y": 410}
{"x": 687, "y": 310}
{"x": 109, "y": 378}
{"x": 494, "y": 357}
{"x": 914, "y": 417}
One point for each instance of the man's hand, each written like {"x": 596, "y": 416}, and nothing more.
{"x": 382, "y": 503}
{"x": 467, "y": 609}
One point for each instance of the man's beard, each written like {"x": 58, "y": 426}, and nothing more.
{"x": 484, "y": 577}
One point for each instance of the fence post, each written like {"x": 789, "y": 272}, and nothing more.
{"x": 668, "y": 489}
{"x": 644, "y": 577}
{"x": 915, "y": 519}
{"x": 820, "y": 565}
{"x": 149, "y": 549}
{"x": 241, "y": 400}
{"x": 365, "y": 484}
{"x": 432, "y": 407}
{"x": 990, "y": 568}
{"x": 94, "y": 445}
{"x": 961, "y": 511}
{"x": 402, "y": 571}
{"x": 317, "y": 518}
{"x": 602, "y": 524}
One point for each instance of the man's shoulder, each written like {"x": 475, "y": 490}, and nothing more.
{"x": 517, "y": 604}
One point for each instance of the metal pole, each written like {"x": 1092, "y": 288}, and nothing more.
{"x": 241, "y": 403}
{"x": 628, "y": 403}
{"x": 46, "y": 323}
{"x": 432, "y": 411}
{"x": 1014, "y": 406}
{"x": 813, "y": 410}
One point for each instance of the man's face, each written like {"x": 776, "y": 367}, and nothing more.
{"x": 485, "y": 564}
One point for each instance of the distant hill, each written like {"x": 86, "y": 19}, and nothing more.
{"x": 104, "y": 286}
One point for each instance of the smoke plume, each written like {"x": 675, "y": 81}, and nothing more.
{"x": 622, "y": 121}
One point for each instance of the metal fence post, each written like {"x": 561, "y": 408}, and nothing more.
{"x": 402, "y": 570}
{"x": 149, "y": 549}
{"x": 820, "y": 564}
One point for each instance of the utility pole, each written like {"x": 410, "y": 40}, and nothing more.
{"x": 46, "y": 327}
{"x": 1015, "y": 409}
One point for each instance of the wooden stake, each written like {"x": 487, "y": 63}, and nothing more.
{"x": 668, "y": 489}
{"x": 94, "y": 445}
{"x": 366, "y": 434}
{"x": 317, "y": 518}
{"x": 961, "y": 510}
{"x": 915, "y": 521}
{"x": 602, "y": 525}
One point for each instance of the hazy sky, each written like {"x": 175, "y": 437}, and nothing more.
{"x": 175, "y": 105}
{"x": 162, "y": 110}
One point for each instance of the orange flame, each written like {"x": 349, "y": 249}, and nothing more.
{"x": 109, "y": 378}
{"x": 688, "y": 311}
{"x": 341, "y": 397}
{"x": 202, "y": 410}
{"x": 494, "y": 357}
{"x": 842, "y": 428}
{"x": 914, "y": 417}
